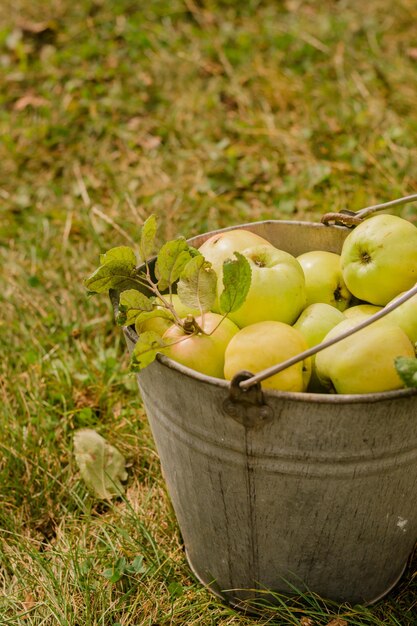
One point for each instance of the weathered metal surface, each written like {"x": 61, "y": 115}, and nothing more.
{"x": 321, "y": 495}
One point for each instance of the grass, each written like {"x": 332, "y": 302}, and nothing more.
{"x": 207, "y": 113}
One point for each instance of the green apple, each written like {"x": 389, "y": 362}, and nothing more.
{"x": 222, "y": 246}
{"x": 201, "y": 352}
{"x": 317, "y": 320}
{"x": 262, "y": 345}
{"x": 405, "y": 316}
{"x": 361, "y": 311}
{"x": 379, "y": 258}
{"x": 277, "y": 289}
{"x": 157, "y": 324}
{"x": 324, "y": 280}
{"x": 363, "y": 362}
{"x": 314, "y": 323}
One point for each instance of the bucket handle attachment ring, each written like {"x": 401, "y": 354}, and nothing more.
{"x": 247, "y": 406}
{"x": 352, "y": 218}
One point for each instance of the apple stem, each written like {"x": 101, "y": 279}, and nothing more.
{"x": 191, "y": 327}
{"x": 139, "y": 281}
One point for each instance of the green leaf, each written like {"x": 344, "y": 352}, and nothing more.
{"x": 197, "y": 284}
{"x": 102, "y": 466}
{"x": 131, "y": 303}
{"x": 175, "y": 590}
{"x": 124, "y": 254}
{"x": 236, "y": 280}
{"x": 147, "y": 237}
{"x": 137, "y": 566}
{"x": 172, "y": 258}
{"x": 116, "y": 572}
{"x": 112, "y": 575}
{"x": 146, "y": 348}
{"x": 407, "y": 370}
{"x": 114, "y": 274}
{"x": 194, "y": 251}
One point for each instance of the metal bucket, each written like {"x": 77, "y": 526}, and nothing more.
{"x": 278, "y": 490}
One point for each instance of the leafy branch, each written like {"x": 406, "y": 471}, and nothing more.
{"x": 146, "y": 288}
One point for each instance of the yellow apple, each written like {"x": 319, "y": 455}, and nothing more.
{"x": 324, "y": 280}
{"x": 314, "y": 323}
{"x": 201, "y": 352}
{"x": 363, "y": 362}
{"x": 157, "y": 324}
{"x": 379, "y": 258}
{"x": 277, "y": 289}
{"x": 361, "y": 311}
{"x": 160, "y": 324}
{"x": 259, "y": 346}
{"x": 220, "y": 247}
{"x": 405, "y": 316}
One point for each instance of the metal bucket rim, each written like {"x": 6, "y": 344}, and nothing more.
{"x": 296, "y": 396}
{"x": 248, "y": 225}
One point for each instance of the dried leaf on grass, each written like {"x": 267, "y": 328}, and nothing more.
{"x": 29, "y": 602}
{"x": 102, "y": 466}
{"x": 36, "y": 28}
{"x": 30, "y": 100}
{"x": 412, "y": 53}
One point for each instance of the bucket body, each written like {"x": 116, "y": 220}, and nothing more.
{"x": 319, "y": 496}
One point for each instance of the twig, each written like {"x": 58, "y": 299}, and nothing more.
{"x": 112, "y": 223}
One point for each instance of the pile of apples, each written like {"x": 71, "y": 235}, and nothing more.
{"x": 295, "y": 303}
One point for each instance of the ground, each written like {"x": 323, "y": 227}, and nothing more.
{"x": 207, "y": 113}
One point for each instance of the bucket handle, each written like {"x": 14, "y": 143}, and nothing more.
{"x": 352, "y": 218}
{"x": 275, "y": 369}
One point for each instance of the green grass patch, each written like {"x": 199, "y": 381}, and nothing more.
{"x": 207, "y": 114}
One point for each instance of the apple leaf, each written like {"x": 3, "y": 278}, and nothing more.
{"x": 146, "y": 348}
{"x": 236, "y": 280}
{"x": 197, "y": 284}
{"x": 407, "y": 370}
{"x": 194, "y": 251}
{"x": 102, "y": 466}
{"x": 172, "y": 258}
{"x": 131, "y": 303}
{"x": 147, "y": 237}
{"x": 124, "y": 254}
{"x": 113, "y": 274}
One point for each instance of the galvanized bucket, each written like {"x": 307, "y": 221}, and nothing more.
{"x": 278, "y": 490}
